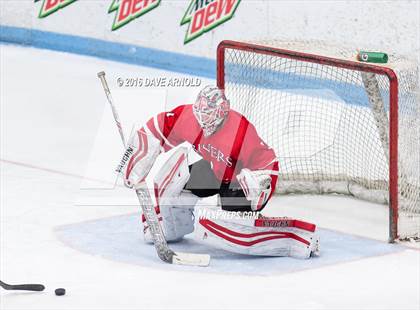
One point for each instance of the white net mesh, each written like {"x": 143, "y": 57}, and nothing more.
{"x": 328, "y": 125}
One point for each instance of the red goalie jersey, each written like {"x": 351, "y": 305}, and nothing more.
{"x": 234, "y": 146}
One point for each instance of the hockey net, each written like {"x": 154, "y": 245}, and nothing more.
{"x": 337, "y": 125}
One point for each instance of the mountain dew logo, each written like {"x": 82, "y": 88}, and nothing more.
{"x": 51, "y": 6}
{"x": 128, "y": 10}
{"x": 205, "y": 15}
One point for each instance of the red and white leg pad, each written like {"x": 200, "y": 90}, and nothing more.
{"x": 174, "y": 205}
{"x": 176, "y": 221}
{"x": 275, "y": 236}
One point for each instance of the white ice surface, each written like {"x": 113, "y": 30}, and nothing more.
{"x": 52, "y": 107}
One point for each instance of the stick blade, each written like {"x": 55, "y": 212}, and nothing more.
{"x": 30, "y": 287}
{"x": 190, "y": 259}
{"x": 23, "y": 287}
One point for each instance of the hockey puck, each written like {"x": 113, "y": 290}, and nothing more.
{"x": 60, "y": 291}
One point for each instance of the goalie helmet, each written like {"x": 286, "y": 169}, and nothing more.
{"x": 210, "y": 109}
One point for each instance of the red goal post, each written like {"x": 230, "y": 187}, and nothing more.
{"x": 238, "y": 60}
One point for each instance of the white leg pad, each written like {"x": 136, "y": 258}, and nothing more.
{"x": 172, "y": 176}
{"x": 173, "y": 205}
{"x": 177, "y": 219}
{"x": 250, "y": 236}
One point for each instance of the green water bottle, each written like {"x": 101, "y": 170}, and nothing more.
{"x": 375, "y": 57}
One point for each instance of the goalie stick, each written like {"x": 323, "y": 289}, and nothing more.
{"x": 162, "y": 248}
{"x": 22, "y": 287}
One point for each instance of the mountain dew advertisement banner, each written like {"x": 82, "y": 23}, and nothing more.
{"x": 51, "y": 6}
{"x": 200, "y": 16}
{"x": 128, "y": 10}
{"x": 205, "y": 15}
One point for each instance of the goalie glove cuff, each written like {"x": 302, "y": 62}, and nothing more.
{"x": 256, "y": 186}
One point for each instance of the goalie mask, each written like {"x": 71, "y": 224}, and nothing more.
{"x": 210, "y": 109}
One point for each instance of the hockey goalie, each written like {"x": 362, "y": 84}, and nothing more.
{"x": 220, "y": 195}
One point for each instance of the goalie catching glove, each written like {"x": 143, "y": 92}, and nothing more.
{"x": 256, "y": 186}
{"x": 139, "y": 157}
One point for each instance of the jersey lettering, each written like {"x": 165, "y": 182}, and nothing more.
{"x": 215, "y": 153}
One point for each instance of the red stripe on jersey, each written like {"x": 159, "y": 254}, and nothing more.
{"x": 166, "y": 122}
{"x": 236, "y": 147}
{"x": 170, "y": 120}
{"x": 150, "y": 124}
{"x": 229, "y": 235}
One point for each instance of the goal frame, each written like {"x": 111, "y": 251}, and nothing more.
{"x": 346, "y": 64}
